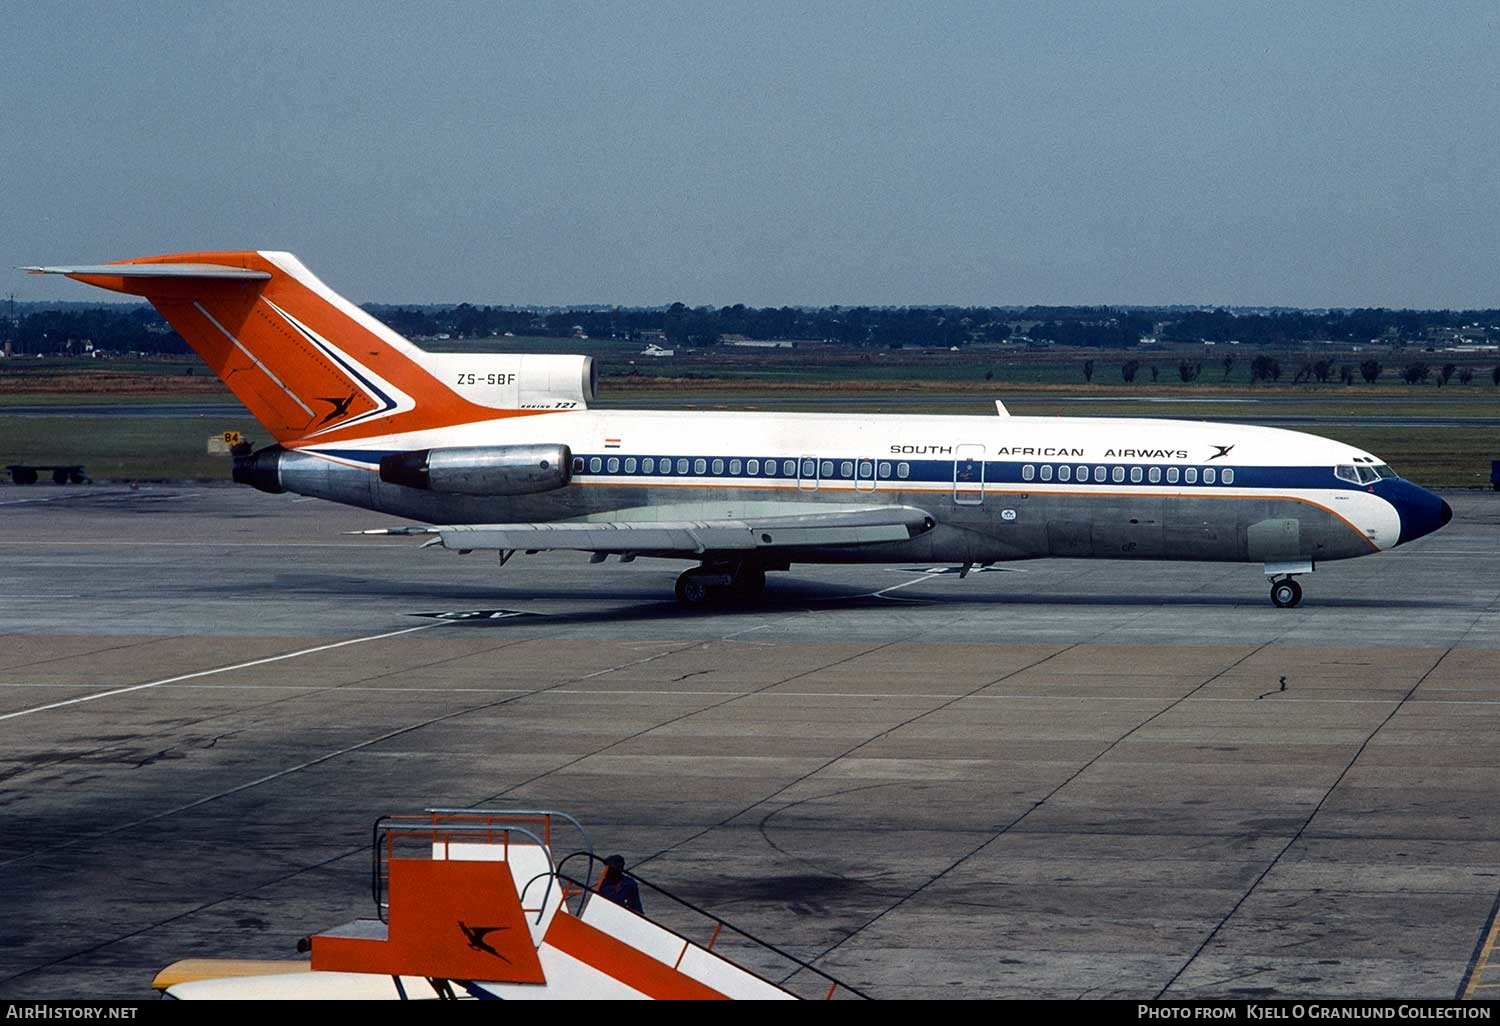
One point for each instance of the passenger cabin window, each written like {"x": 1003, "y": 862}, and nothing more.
{"x": 682, "y": 465}
{"x": 789, "y": 468}
{"x": 885, "y": 470}
{"x": 1065, "y": 473}
{"x": 846, "y": 469}
{"x": 1028, "y": 472}
{"x": 752, "y": 467}
{"x": 1083, "y": 473}
{"x": 1135, "y": 475}
{"x": 734, "y": 466}
{"x": 700, "y": 466}
{"x": 578, "y": 464}
{"x": 648, "y": 465}
{"x": 1047, "y": 472}
{"x": 866, "y": 469}
{"x": 1118, "y": 475}
{"x": 614, "y": 465}
{"x": 718, "y": 467}
{"x": 1155, "y": 475}
{"x": 1171, "y": 475}
{"x": 809, "y": 468}
{"x": 1209, "y": 475}
{"x": 595, "y": 465}
{"x": 1100, "y": 473}
{"x": 825, "y": 469}
{"x": 1228, "y": 476}
{"x": 903, "y": 470}
{"x": 630, "y": 465}
{"x": 1190, "y": 475}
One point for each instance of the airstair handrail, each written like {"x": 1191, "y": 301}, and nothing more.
{"x": 589, "y": 890}
{"x": 446, "y": 825}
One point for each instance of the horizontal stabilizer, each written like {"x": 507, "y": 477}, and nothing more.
{"x": 220, "y": 272}
{"x": 688, "y": 537}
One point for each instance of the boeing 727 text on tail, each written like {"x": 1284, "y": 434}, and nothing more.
{"x": 494, "y": 451}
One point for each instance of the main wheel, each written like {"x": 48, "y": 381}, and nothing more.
{"x": 692, "y": 593}
{"x": 1286, "y": 594}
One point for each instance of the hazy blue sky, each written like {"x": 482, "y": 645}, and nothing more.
{"x": 1311, "y": 154}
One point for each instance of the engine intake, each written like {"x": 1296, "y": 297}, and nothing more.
{"x": 481, "y": 470}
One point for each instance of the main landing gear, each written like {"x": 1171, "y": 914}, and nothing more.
{"x": 1286, "y": 593}
{"x": 721, "y": 584}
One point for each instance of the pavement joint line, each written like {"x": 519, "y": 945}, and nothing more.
{"x": 206, "y": 673}
{"x": 996, "y": 834}
{"x": 309, "y": 763}
{"x": 297, "y": 693}
{"x": 174, "y": 917}
{"x": 859, "y": 695}
{"x": 135, "y": 643}
{"x": 728, "y": 698}
{"x": 1301, "y": 830}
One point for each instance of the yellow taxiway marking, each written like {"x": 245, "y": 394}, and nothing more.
{"x": 1482, "y": 963}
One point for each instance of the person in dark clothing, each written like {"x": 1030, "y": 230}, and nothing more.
{"x": 619, "y": 888}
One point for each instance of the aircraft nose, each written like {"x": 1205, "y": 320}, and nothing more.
{"x": 1421, "y": 513}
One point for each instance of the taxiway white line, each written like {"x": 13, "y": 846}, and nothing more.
{"x": 220, "y": 669}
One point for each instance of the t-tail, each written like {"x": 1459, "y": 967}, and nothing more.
{"x": 314, "y": 368}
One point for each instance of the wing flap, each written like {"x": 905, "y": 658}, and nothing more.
{"x": 689, "y": 537}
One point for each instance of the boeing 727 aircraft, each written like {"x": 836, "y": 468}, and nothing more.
{"x": 502, "y": 452}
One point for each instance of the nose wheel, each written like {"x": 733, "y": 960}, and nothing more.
{"x": 1285, "y": 593}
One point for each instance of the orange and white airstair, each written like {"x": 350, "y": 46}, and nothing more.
{"x": 472, "y": 904}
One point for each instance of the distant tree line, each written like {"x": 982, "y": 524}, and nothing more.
{"x": 1268, "y": 369}
{"x": 138, "y": 328}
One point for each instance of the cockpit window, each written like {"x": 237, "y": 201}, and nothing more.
{"x": 1385, "y": 472}
{"x": 1362, "y": 473}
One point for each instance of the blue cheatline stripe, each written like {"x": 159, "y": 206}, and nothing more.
{"x": 942, "y": 472}
{"x": 918, "y": 471}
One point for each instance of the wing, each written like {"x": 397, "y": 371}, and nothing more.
{"x": 864, "y": 526}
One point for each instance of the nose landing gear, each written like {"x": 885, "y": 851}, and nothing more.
{"x": 1286, "y": 593}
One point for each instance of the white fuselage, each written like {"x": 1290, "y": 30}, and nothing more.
{"x": 1009, "y": 487}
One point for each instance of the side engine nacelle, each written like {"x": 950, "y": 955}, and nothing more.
{"x": 481, "y": 470}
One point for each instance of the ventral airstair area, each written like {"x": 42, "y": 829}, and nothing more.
{"x": 474, "y": 905}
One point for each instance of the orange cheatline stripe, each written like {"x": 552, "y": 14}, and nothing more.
{"x": 619, "y": 960}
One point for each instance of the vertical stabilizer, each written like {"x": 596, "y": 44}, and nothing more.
{"x": 307, "y": 363}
